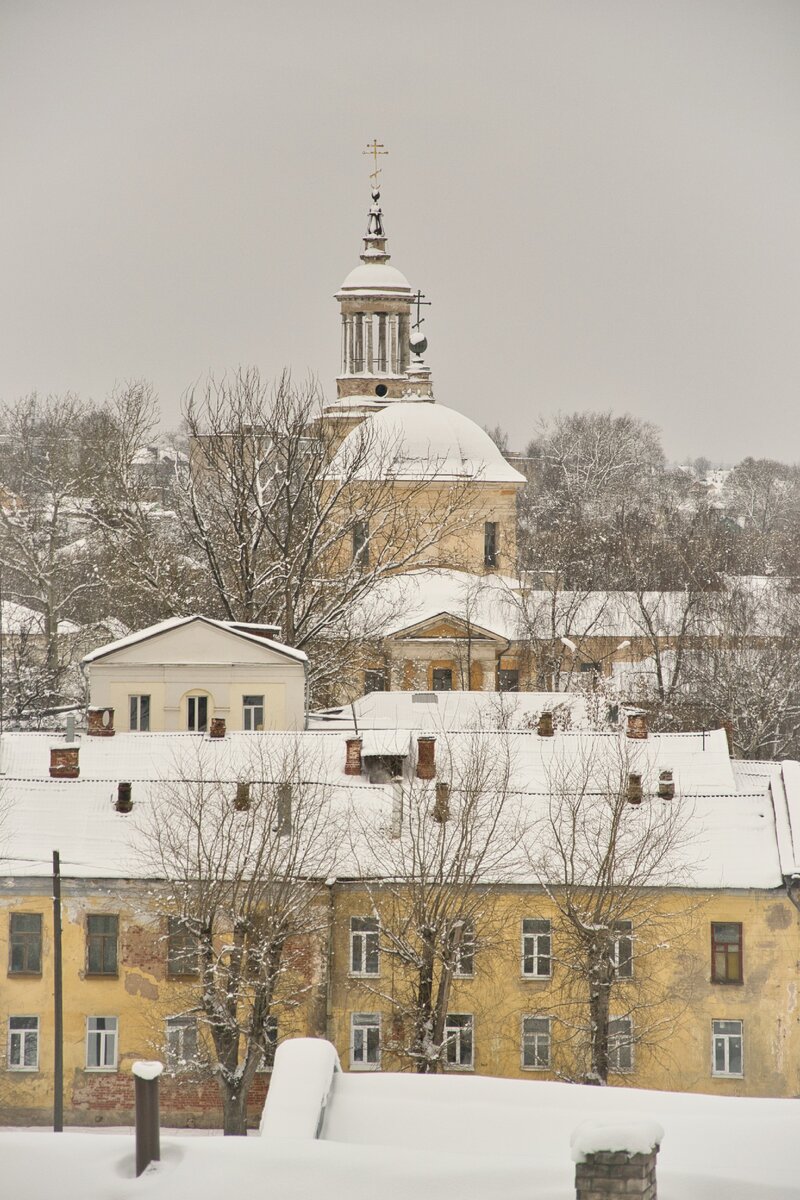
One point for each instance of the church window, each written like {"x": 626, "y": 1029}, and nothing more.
{"x": 508, "y": 679}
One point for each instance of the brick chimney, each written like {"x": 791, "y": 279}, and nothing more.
{"x": 441, "y": 807}
{"x": 352, "y": 765}
{"x": 64, "y": 762}
{"x": 666, "y": 786}
{"x": 637, "y": 724}
{"x": 124, "y": 802}
{"x": 217, "y": 729}
{"x": 426, "y": 757}
{"x": 100, "y": 722}
{"x": 544, "y": 727}
{"x": 634, "y": 792}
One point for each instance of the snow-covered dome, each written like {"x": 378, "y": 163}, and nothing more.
{"x": 421, "y": 440}
{"x": 372, "y": 277}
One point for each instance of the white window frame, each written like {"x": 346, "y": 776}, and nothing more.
{"x": 536, "y": 953}
{"x": 453, "y": 1034}
{"x": 622, "y": 931}
{"x": 249, "y": 723}
{"x": 544, "y": 1035}
{"x": 360, "y": 936}
{"x": 135, "y": 712}
{"x": 364, "y": 1023}
{"x": 197, "y": 696}
{"x": 726, "y": 1038}
{"x": 18, "y": 1040}
{"x": 466, "y": 950}
{"x": 176, "y": 1030}
{"x": 106, "y": 1036}
{"x": 618, "y": 1042}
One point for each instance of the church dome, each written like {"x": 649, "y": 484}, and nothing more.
{"x": 420, "y": 440}
{"x": 375, "y": 277}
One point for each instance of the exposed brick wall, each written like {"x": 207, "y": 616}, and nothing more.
{"x": 107, "y": 1098}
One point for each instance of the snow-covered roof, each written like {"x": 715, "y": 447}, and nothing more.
{"x": 740, "y": 820}
{"x": 16, "y": 619}
{"x": 398, "y": 603}
{"x": 419, "y": 440}
{"x": 436, "y": 711}
{"x": 238, "y": 629}
{"x": 401, "y": 1136}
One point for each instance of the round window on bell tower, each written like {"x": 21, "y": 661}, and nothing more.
{"x": 381, "y": 389}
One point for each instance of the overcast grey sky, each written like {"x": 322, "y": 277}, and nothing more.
{"x": 600, "y": 198}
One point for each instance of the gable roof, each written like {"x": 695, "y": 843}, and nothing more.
{"x": 234, "y": 628}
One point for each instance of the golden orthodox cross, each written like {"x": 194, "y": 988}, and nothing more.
{"x": 375, "y": 148}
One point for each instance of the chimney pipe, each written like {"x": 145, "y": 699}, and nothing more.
{"x": 217, "y": 729}
{"x": 545, "y": 725}
{"x": 666, "y": 786}
{"x": 352, "y": 765}
{"x": 634, "y": 793}
{"x": 441, "y": 807}
{"x": 100, "y": 721}
{"x": 64, "y": 762}
{"x": 637, "y": 724}
{"x": 426, "y": 757}
{"x": 124, "y": 802}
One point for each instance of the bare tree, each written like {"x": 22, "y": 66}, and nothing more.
{"x": 296, "y": 531}
{"x": 601, "y": 853}
{"x": 243, "y": 860}
{"x": 438, "y": 860}
{"x": 47, "y": 562}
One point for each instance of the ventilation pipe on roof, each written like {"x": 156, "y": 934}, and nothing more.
{"x": 634, "y": 790}
{"x": 217, "y": 729}
{"x": 100, "y": 722}
{"x": 69, "y": 732}
{"x": 666, "y": 786}
{"x": 64, "y": 762}
{"x": 124, "y": 802}
{"x": 426, "y": 757}
{"x": 352, "y": 764}
{"x": 544, "y": 727}
{"x": 637, "y": 724}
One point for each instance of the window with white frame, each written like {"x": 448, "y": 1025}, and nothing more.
{"x": 537, "y": 945}
{"x": 101, "y": 1043}
{"x": 23, "y": 1043}
{"x": 622, "y": 949}
{"x": 464, "y": 951}
{"x": 727, "y": 1048}
{"x": 252, "y": 713}
{"x": 536, "y": 1043}
{"x": 364, "y": 946}
{"x": 197, "y": 714}
{"x": 620, "y": 1044}
{"x": 139, "y": 713}
{"x": 181, "y": 1043}
{"x": 365, "y": 1041}
{"x": 459, "y": 1041}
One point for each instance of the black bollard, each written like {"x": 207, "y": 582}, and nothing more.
{"x": 148, "y": 1132}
